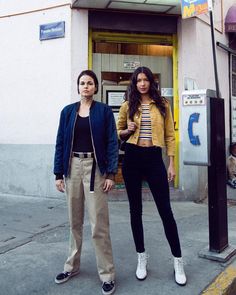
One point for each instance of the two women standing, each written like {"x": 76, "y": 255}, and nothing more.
{"x": 86, "y": 160}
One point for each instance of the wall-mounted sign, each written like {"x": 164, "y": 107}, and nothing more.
{"x": 230, "y": 28}
{"x": 131, "y": 65}
{"x": 192, "y": 8}
{"x": 116, "y": 115}
{"x": 167, "y": 92}
{"x": 52, "y": 31}
{"x": 115, "y": 97}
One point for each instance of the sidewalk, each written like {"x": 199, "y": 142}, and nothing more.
{"x": 34, "y": 241}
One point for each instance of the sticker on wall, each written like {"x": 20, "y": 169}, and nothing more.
{"x": 131, "y": 62}
{"x": 167, "y": 92}
{"x": 52, "y": 31}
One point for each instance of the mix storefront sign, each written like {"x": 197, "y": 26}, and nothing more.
{"x": 192, "y": 8}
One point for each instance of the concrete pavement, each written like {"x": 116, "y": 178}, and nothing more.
{"x": 34, "y": 243}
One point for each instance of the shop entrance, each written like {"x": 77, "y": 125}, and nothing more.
{"x": 115, "y": 56}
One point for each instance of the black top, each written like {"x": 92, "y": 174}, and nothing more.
{"x": 82, "y": 135}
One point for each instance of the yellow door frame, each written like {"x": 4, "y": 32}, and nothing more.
{"x": 90, "y": 50}
{"x": 176, "y": 106}
{"x": 145, "y": 39}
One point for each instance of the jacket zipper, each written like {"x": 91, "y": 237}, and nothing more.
{"x": 92, "y": 138}
{"x": 71, "y": 145}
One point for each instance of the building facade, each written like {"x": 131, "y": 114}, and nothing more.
{"x": 45, "y": 45}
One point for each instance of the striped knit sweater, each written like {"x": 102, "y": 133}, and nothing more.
{"x": 145, "y": 128}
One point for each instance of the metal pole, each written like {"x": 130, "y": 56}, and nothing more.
{"x": 217, "y": 195}
{"x": 214, "y": 54}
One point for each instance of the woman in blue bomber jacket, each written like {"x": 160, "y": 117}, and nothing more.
{"x": 85, "y": 163}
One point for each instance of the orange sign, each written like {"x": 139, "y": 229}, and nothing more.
{"x": 192, "y": 8}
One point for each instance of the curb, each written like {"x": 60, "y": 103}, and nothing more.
{"x": 224, "y": 283}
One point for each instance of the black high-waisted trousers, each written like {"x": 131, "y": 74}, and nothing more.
{"x": 147, "y": 162}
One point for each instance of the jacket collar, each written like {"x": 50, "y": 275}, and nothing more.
{"x": 151, "y": 101}
{"x": 78, "y": 105}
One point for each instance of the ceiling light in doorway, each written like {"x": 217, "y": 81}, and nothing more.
{"x": 135, "y": 5}
{"x": 166, "y": 2}
{"x": 130, "y": 1}
{"x": 158, "y": 6}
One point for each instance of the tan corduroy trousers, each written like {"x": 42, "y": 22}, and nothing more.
{"x": 78, "y": 195}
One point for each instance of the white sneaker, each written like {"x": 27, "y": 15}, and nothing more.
{"x": 180, "y": 276}
{"x": 141, "y": 272}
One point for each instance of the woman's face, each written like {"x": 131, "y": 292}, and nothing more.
{"x": 143, "y": 84}
{"x": 86, "y": 86}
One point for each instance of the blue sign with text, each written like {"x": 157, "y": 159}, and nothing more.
{"x": 52, "y": 31}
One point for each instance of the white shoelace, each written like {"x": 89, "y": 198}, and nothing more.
{"x": 180, "y": 266}
{"x": 142, "y": 261}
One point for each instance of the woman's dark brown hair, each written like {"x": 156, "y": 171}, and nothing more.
{"x": 133, "y": 96}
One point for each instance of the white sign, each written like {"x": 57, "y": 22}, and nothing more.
{"x": 115, "y": 98}
{"x": 167, "y": 92}
{"x": 116, "y": 115}
{"x": 131, "y": 65}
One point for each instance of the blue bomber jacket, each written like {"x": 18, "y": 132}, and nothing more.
{"x": 104, "y": 138}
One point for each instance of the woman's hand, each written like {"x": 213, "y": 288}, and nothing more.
{"x": 131, "y": 127}
{"x": 60, "y": 185}
{"x": 171, "y": 170}
{"x": 108, "y": 185}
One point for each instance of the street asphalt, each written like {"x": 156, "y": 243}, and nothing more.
{"x": 34, "y": 236}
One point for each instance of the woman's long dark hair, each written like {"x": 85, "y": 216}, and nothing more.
{"x": 133, "y": 96}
